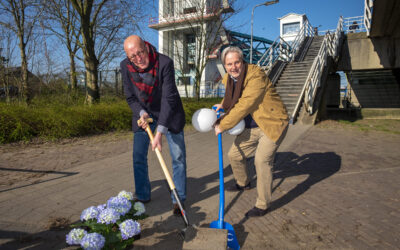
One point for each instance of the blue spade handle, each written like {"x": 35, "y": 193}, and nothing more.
{"x": 221, "y": 178}
{"x": 220, "y": 223}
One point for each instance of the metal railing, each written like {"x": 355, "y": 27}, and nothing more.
{"x": 178, "y": 10}
{"x": 306, "y": 31}
{"x": 329, "y": 47}
{"x": 368, "y": 5}
{"x": 354, "y": 24}
{"x": 280, "y": 49}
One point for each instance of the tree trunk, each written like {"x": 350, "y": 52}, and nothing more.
{"x": 72, "y": 75}
{"x": 91, "y": 63}
{"x": 26, "y": 90}
{"x": 92, "y": 89}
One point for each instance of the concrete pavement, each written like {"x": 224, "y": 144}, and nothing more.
{"x": 332, "y": 189}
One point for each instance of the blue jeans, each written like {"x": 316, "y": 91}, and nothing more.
{"x": 177, "y": 151}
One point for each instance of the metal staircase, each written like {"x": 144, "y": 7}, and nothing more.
{"x": 293, "y": 77}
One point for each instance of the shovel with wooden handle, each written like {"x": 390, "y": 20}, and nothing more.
{"x": 193, "y": 236}
{"x": 166, "y": 173}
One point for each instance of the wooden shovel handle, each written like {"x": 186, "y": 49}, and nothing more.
{"x": 160, "y": 158}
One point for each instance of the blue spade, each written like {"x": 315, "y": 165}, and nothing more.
{"x": 220, "y": 223}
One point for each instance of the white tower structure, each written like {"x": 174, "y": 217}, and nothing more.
{"x": 189, "y": 31}
{"x": 290, "y": 25}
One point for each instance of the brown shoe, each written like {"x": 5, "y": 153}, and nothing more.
{"x": 237, "y": 188}
{"x": 176, "y": 210}
{"x": 256, "y": 212}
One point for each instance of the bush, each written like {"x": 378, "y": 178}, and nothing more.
{"x": 64, "y": 116}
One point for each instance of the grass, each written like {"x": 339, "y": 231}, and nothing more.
{"x": 62, "y": 116}
{"x": 367, "y": 125}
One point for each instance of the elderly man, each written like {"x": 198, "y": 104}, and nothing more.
{"x": 249, "y": 95}
{"x": 150, "y": 90}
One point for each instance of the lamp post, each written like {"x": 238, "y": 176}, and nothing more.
{"x": 252, "y": 15}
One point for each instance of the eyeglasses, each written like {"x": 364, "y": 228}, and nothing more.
{"x": 139, "y": 54}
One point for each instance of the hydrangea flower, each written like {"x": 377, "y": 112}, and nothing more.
{"x": 93, "y": 241}
{"x": 120, "y": 204}
{"x": 129, "y": 228}
{"x": 139, "y": 207}
{"x": 126, "y": 194}
{"x": 101, "y": 207}
{"x": 107, "y": 216}
{"x": 89, "y": 213}
{"x": 74, "y": 237}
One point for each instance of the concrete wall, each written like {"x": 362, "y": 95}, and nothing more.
{"x": 362, "y": 53}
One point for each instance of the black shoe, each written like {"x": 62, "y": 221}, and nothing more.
{"x": 256, "y": 212}
{"x": 237, "y": 188}
{"x": 176, "y": 210}
{"x": 142, "y": 201}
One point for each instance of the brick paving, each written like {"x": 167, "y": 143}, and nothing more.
{"x": 333, "y": 189}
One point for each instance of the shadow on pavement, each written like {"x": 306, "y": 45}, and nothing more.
{"x": 317, "y": 166}
{"x": 62, "y": 174}
{"x": 50, "y": 239}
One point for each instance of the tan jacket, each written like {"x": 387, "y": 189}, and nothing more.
{"x": 260, "y": 99}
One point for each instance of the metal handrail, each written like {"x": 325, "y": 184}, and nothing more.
{"x": 368, "y": 5}
{"x": 354, "y": 24}
{"x": 279, "y": 49}
{"x": 305, "y": 31}
{"x": 329, "y": 47}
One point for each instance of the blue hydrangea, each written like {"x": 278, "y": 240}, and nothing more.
{"x": 139, "y": 207}
{"x": 108, "y": 216}
{"x": 93, "y": 241}
{"x": 129, "y": 228}
{"x": 101, "y": 207}
{"x": 89, "y": 213}
{"x": 120, "y": 204}
{"x": 126, "y": 194}
{"x": 74, "y": 237}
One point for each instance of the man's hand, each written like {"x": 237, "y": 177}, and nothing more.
{"x": 218, "y": 107}
{"x": 157, "y": 141}
{"x": 217, "y": 130}
{"x": 143, "y": 121}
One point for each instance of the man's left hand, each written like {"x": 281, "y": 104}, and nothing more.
{"x": 157, "y": 141}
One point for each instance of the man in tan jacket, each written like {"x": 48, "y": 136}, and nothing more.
{"x": 249, "y": 95}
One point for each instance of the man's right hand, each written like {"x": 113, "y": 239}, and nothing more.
{"x": 143, "y": 121}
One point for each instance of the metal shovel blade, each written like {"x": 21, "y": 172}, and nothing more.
{"x": 232, "y": 240}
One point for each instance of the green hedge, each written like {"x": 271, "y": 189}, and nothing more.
{"x": 54, "y": 118}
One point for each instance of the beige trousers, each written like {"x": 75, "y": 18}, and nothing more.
{"x": 253, "y": 142}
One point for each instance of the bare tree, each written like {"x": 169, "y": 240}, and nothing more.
{"x": 20, "y": 16}
{"x": 60, "y": 18}
{"x": 102, "y": 22}
{"x": 7, "y": 47}
{"x": 197, "y": 34}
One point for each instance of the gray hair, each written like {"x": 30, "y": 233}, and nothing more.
{"x": 230, "y": 50}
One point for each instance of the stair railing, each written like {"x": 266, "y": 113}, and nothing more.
{"x": 329, "y": 46}
{"x": 305, "y": 31}
{"x": 368, "y": 5}
{"x": 279, "y": 49}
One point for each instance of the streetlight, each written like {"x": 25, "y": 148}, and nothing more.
{"x": 252, "y": 14}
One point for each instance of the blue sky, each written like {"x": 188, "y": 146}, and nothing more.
{"x": 266, "y": 24}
